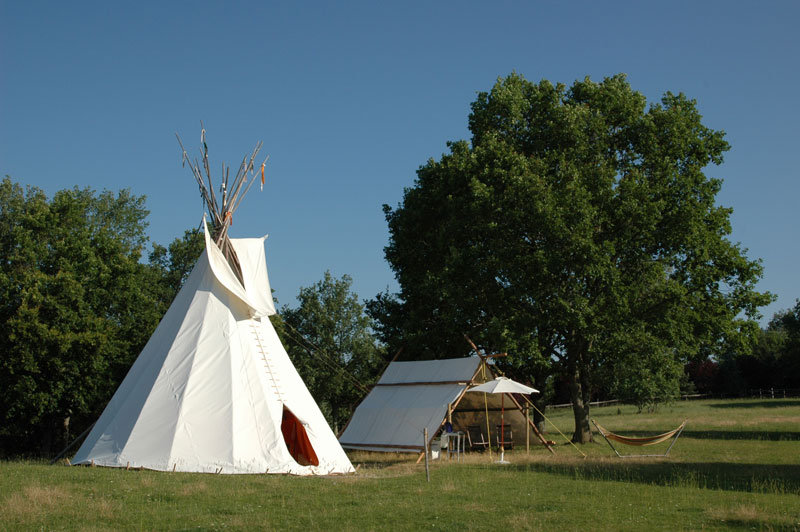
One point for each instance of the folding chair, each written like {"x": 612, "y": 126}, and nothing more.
{"x": 475, "y": 439}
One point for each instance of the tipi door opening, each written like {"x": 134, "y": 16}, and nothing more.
{"x": 296, "y": 438}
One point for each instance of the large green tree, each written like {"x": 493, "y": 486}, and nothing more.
{"x": 77, "y": 305}
{"x": 578, "y": 232}
{"x": 330, "y": 341}
{"x": 72, "y": 306}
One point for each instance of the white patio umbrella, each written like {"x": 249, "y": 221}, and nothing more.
{"x": 503, "y": 385}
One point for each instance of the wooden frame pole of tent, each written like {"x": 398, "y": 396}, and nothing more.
{"x": 486, "y": 406}
{"x": 452, "y": 406}
{"x": 427, "y": 467}
{"x": 485, "y": 400}
{"x": 533, "y": 427}
{"x": 450, "y": 422}
{"x": 519, "y": 407}
{"x": 527, "y": 432}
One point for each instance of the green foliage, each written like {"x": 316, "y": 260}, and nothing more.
{"x": 330, "y": 341}
{"x": 173, "y": 264}
{"x": 77, "y": 306}
{"x": 644, "y": 372}
{"x": 73, "y": 306}
{"x": 578, "y": 227}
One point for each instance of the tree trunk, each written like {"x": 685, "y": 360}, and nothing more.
{"x": 580, "y": 395}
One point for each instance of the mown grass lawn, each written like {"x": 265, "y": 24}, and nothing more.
{"x": 736, "y": 467}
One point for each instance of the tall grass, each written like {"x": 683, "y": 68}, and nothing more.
{"x": 736, "y": 467}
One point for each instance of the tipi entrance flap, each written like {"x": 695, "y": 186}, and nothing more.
{"x": 296, "y": 439}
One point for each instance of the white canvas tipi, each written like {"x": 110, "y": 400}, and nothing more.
{"x": 214, "y": 390}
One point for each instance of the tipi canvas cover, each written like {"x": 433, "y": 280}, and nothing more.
{"x": 214, "y": 390}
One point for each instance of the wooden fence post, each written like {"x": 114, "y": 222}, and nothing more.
{"x": 427, "y": 469}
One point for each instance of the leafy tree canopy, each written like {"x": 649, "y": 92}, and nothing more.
{"x": 77, "y": 306}
{"x": 578, "y": 232}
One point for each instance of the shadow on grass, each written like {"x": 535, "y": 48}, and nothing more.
{"x": 779, "y": 479}
{"x": 769, "y": 403}
{"x": 380, "y": 460}
{"x": 742, "y": 435}
{"x": 755, "y": 524}
{"x": 718, "y": 435}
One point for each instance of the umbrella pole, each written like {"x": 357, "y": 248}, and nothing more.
{"x": 502, "y": 421}
{"x": 502, "y": 428}
{"x": 488, "y": 432}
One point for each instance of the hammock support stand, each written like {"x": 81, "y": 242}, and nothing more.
{"x": 640, "y": 442}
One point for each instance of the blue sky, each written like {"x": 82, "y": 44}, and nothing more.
{"x": 350, "y": 98}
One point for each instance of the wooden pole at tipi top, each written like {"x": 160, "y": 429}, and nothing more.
{"x": 221, "y": 210}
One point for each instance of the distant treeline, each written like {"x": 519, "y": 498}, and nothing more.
{"x": 773, "y": 364}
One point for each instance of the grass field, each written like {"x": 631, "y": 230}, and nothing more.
{"x": 736, "y": 467}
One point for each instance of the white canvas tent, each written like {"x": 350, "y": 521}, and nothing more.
{"x": 214, "y": 390}
{"x": 409, "y": 397}
{"x": 413, "y": 396}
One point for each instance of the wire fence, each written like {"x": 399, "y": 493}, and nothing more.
{"x": 754, "y": 393}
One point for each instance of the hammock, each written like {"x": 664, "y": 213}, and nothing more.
{"x": 640, "y": 442}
